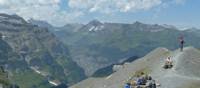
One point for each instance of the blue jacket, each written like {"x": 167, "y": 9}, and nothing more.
{"x": 139, "y": 81}
{"x": 127, "y": 86}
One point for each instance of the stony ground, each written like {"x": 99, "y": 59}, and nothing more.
{"x": 184, "y": 74}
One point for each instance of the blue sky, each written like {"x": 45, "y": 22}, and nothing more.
{"x": 182, "y": 13}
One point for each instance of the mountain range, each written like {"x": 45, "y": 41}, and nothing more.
{"x": 97, "y": 45}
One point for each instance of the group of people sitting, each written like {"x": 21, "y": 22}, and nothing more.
{"x": 143, "y": 81}
{"x": 146, "y": 81}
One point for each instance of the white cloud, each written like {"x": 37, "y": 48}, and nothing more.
{"x": 110, "y": 6}
{"x": 51, "y": 11}
{"x": 48, "y": 10}
{"x": 113, "y": 5}
{"x": 135, "y": 5}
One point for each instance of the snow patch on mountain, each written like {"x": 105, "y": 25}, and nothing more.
{"x": 96, "y": 28}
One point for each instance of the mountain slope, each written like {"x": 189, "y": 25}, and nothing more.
{"x": 184, "y": 74}
{"x": 37, "y": 52}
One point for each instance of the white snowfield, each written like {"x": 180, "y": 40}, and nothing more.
{"x": 184, "y": 74}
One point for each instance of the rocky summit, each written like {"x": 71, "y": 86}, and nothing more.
{"x": 184, "y": 73}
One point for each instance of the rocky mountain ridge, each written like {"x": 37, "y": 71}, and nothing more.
{"x": 184, "y": 73}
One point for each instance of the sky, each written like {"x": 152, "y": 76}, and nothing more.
{"x": 181, "y": 13}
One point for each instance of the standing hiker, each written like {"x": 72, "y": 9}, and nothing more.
{"x": 181, "y": 41}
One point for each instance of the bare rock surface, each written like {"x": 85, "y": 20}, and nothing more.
{"x": 184, "y": 74}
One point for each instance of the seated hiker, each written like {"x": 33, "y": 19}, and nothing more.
{"x": 128, "y": 85}
{"x": 144, "y": 80}
{"x": 148, "y": 81}
{"x": 148, "y": 77}
{"x": 168, "y": 63}
{"x": 151, "y": 84}
{"x": 139, "y": 81}
{"x": 133, "y": 83}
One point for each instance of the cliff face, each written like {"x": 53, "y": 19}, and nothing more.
{"x": 31, "y": 47}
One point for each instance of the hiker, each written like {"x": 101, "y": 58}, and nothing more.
{"x": 149, "y": 81}
{"x": 143, "y": 80}
{"x": 133, "y": 83}
{"x": 153, "y": 84}
{"x": 128, "y": 85}
{"x": 148, "y": 77}
{"x": 168, "y": 63}
{"x": 139, "y": 81}
{"x": 181, "y": 40}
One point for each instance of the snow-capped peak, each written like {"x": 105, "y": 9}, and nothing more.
{"x": 95, "y": 25}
